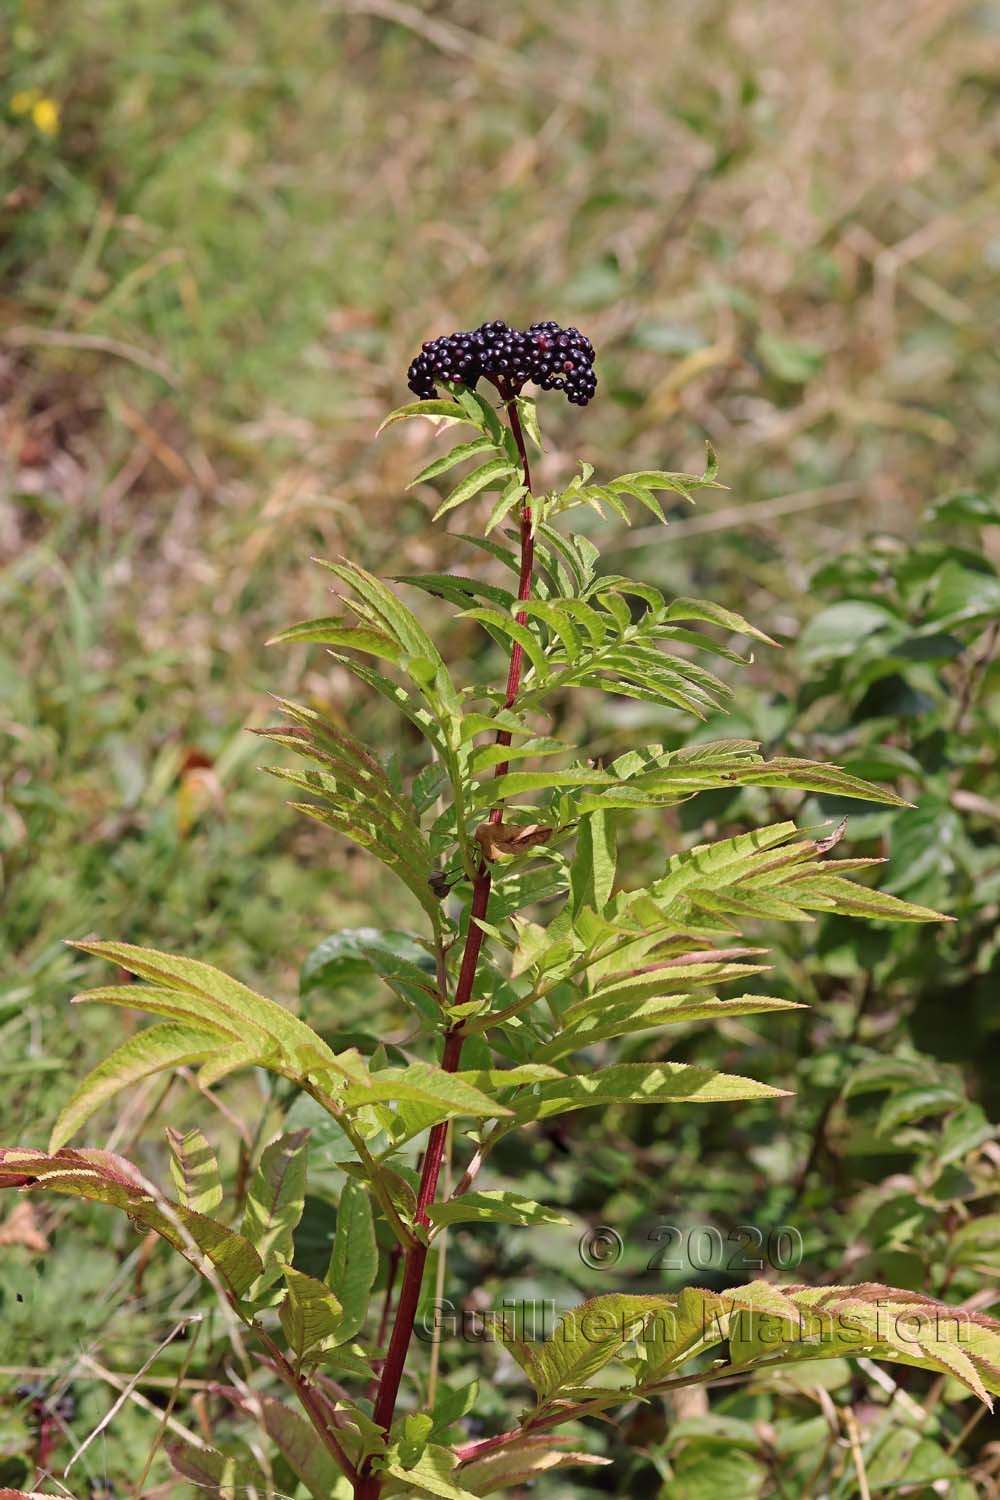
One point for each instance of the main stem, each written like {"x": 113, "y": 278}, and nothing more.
{"x": 369, "y": 1486}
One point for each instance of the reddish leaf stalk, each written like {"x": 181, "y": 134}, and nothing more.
{"x": 313, "y": 1402}
{"x": 369, "y": 1486}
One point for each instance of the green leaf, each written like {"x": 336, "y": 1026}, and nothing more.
{"x": 457, "y": 588}
{"x": 963, "y": 594}
{"x": 225, "y": 1005}
{"x": 559, "y": 622}
{"x": 706, "y": 1472}
{"x": 537, "y": 948}
{"x": 222, "y": 1474}
{"x": 103, "y": 1177}
{"x": 528, "y": 410}
{"x": 354, "y": 1259}
{"x": 721, "y": 862}
{"x": 917, "y": 1104}
{"x": 571, "y": 560}
{"x": 639, "y": 1083}
{"x": 415, "y": 1429}
{"x": 515, "y": 783}
{"x": 685, "y": 1330}
{"x": 654, "y": 777}
{"x": 432, "y": 1474}
{"x": 900, "y": 1326}
{"x": 487, "y": 476}
{"x": 977, "y": 1241}
{"x": 390, "y": 613}
{"x": 510, "y": 629}
{"x": 492, "y": 1207}
{"x": 351, "y": 779}
{"x": 422, "y": 1083}
{"x": 965, "y": 507}
{"x": 332, "y": 631}
{"x": 812, "y": 776}
{"x": 294, "y": 1438}
{"x": 234, "y": 1058}
{"x": 509, "y": 496}
{"x": 165, "y": 1002}
{"x": 366, "y": 832}
{"x": 818, "y": 888}
{"x": 453, "y": 1403}
{"x": 485, "y": 757}
{"x": 592, "y": 869}
{"x": 277, "y": 1197}
{"x": 491, "y": 1080}
{"x": 194, "y": 1170}
{"x": 441, "y": 410}
{"x": 714, "y": 614}
{"x": 519, "y": 1463}
{"x": 595, "y": 624}
{"x": 674, "y": 976}
{"x": 480, "y": 409}
{"x": 585, "y": 1340}
{"x": 842, "y": 629}
{"x": 449, "y": 460}
{"x": 309, "y": 1314}
{"x": 169, "y": 1045}
{"x": 675, "y": 1010}
{"x": 359, "y": 952}
{"x": 793, "y": 360}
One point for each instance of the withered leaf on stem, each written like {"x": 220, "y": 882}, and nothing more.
{"x": 511, "y": 838}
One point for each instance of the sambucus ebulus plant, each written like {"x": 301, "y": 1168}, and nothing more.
{"x": 538, "y": 956}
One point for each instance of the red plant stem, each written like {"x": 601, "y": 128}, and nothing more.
{"x": 369, "y": 1486}
{"x": 390, "y": 1287}
{"x": 383, "y": 1322}
{"x": 45, "y": 1444}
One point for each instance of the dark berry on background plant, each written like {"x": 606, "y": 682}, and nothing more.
{"x": 551, "y": 357}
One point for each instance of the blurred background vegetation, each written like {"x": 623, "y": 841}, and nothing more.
{"x": 226, "y": 227}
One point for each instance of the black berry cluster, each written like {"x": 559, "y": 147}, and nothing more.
{"x": 44, "y": 1407}
{"x": 552, "y": 357}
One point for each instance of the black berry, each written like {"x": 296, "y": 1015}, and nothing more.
{"x": 553, "y": 358}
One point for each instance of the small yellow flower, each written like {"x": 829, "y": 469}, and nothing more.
{"x": 24, "y": 101}
{"x": 45, "y": 113}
